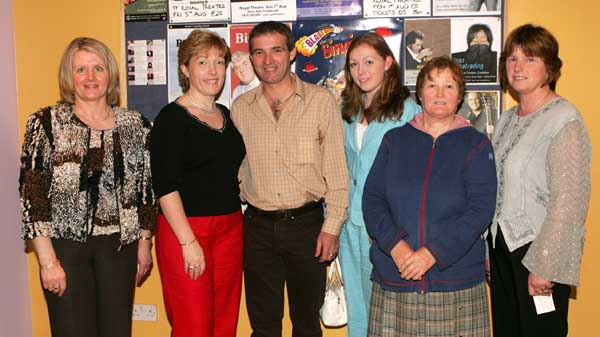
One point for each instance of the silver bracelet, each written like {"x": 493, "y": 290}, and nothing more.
{"x": 50, "y": 265}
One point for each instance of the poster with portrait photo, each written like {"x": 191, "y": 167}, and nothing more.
{"x": 476, "y": 43}
{"x": 330, "y": 8}
{"x": 242, "y": 75}
{"x": 482, "y": 109}
{"x": 178, "y": 33}
{"x": 466, "y": 7}
{"x": 321, "y": 47}
{"x": 396, "y": 8}
{"x": 249, "y": 11}
{"x": 146, "y": 62}
{"x": 424, "y": 39}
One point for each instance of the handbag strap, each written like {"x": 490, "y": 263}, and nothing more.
{"x": 334, "y": 272}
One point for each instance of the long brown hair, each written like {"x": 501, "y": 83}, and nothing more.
{"x": 388, "y": 102}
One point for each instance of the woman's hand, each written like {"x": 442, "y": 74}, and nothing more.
{"x": 417, "y": 264}
{"x": 400, "y": 253}
{"x": 193, "y": 258}
{"x": 144, "y": 260}
{"x": 538, "y": 286}
{"x": 53, "y": 277}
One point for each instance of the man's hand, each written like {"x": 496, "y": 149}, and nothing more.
{"x": 327, "y": 246}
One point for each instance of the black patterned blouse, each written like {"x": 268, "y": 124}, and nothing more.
{"x": 76, "y": 181}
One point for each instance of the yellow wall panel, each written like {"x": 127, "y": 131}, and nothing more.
{"x": 43, "y": 28}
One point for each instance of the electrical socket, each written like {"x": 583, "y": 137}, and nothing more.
{"x": 144, "y": 312}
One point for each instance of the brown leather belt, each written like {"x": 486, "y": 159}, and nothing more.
{"x": 288, "y": 213}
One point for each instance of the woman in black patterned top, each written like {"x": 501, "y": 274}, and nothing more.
{"x": 86, "y": 197}
{"x": 196, "y": 154}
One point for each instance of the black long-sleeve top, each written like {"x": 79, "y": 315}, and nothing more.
{"x": 196, "y": 160}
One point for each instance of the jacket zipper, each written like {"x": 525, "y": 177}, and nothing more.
{"x": 422, "y": 221}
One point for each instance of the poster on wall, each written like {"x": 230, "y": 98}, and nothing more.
{"x": 321, "y": 47}
{"x": 198, "y": 10}
{"x": 146, "y": 62}
{"x": 423, "y": 40}
{"x": 476, "y": 47}
{"x": 145, "y": 10}
{"x": 178, "y": 33}
{"x": 482, "y": 109}
{"x": 330, "y": 8}
{"x": 247, "y": 11}
{"x": 396, "y": 8}
{"x": 242, "y": 74}
{"x": 466, "y": 7}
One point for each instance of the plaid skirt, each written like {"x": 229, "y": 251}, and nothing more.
{"x": 440, "y": 314}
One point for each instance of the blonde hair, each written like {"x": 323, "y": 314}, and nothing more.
{"x": 65, "y": 70}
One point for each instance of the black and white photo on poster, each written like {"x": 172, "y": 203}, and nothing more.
{"x": 199, "y": 10}
{"x": 146, "y": 62}
{"x": 178, "y": 33}
{"x": 423, "y": 40}
{"x": 249, "y": 11}
{"x": 482, "y": 109}
{"x": 396, "y": 8}
{"x": 476, "y": 43}
{"x": 467, "y": 7}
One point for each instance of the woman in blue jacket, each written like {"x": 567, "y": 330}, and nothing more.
{"x": 427, "y": 200}
{"x": 373, "y": 102}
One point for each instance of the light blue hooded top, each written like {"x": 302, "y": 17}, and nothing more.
{"x": 360, "y": 161}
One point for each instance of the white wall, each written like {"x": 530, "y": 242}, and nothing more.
{"x": 15, "y": 308}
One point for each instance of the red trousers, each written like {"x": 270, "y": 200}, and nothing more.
{"x": 209, "y": 305}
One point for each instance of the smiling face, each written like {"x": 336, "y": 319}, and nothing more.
{"x": 367, "y": 68}
{"x": 440, "y": 95}
{"x": 417, "y": 46}
{"x": 526, "y": 74}
{"x": 271, "y": 57}
{"x": 206, "y": 72}
{"x": 242, "y": 68}
{"x": 90, "y": 77}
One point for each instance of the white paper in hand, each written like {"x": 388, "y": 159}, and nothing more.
{"x": 543, "y": 304}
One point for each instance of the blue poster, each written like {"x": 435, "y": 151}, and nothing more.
{"x": 322, "y": 47}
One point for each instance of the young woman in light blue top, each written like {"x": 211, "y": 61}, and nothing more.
{"x": 373, "y": 102}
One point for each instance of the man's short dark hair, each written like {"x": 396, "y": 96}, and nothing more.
{"x": 476, "y": 28}
{"x": 269, "y": 27}
{"x": 413, "y": 35}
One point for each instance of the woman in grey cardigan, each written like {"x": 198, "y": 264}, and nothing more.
{"x": 543, "y": 165}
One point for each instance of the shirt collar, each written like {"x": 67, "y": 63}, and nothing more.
{"x": 298, "y": 88}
